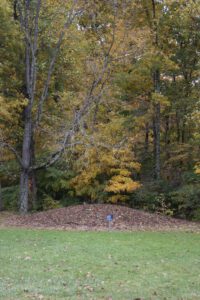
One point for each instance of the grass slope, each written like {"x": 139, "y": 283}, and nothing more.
{"x": 36, "y": 264}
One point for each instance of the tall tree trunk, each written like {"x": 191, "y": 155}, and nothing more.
{"x": 156, "y": 139}
{"x": 156, "y": 80}
{"x": 154, "y": 143}
{"x": 156, "y": 127}
{"x": 26, "y": 161}
{"x": 146, "y": 139}
{"x": 183, "y": 132}
{"x": 167, "y": 138}
{"x": 33, "y": 182}
{"x": 157, "y": 161}
{"x": 178, "y": 135}
{"x": 1, "y": 198}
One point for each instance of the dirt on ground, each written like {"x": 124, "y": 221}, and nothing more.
{"x": 94, "y": 217}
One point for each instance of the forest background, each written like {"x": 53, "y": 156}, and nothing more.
{"x": 99, "y": 102}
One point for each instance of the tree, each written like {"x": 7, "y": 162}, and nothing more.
{"x": 32, "y": 17}
{"x": 106, "y": 169}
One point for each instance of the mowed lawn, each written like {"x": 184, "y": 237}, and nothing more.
{"x": 37, "y": 264}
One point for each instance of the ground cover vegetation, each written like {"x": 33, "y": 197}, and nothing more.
{"x": 99, "y": 102}
{"x": 104, "y": 265}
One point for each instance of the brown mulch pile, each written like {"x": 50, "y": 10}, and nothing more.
{"x": 93, "y": 217}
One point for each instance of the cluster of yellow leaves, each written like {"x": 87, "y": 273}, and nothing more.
{"x": 11, "y": 107}
{"x": 4, "y": 111}
{"x": 120, "y": 183}
{"x": 106, "y": 169}
{"x": 106, "y": 174}
{"x": 10, "y": 113}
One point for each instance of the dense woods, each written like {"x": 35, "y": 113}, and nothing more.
{"x": 99, "y": 102}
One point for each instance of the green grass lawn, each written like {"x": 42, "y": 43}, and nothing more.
{"x": 36, "y": 264}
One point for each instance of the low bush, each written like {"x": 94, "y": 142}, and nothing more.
{"x": 10, "y": 196}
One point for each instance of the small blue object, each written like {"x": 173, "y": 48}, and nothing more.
{"x": 109, "y": 218}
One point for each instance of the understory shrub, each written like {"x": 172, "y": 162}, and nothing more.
{"x": 182, "y": 202}
{"x": 10, "y": 196}
{"x": 49, "y": 203}
{"x": 152, "y": 197}
{"x": 186, "y": 201}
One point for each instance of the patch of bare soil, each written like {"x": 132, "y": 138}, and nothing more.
{"x": 93, "y": 217}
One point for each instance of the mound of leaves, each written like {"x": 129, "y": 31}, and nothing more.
{"x": 94, "y": 217}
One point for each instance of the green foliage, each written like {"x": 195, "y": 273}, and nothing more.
{"x": 90, "y": 265}
{"x": 54, "y": 188}
{"x": 186, "y": 201}
{"x": 49, "y": 203}
{"x": 153, "y": 197}
{"x": 10, "y": 196}
{"x": 180, "y": 202}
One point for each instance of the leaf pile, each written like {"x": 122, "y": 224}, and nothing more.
{"x": 93, "y": 217}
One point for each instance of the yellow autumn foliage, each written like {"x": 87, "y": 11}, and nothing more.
{"x": 121, "y": 183}
{"x": 118, "y": 198}
{"x": 197, "y": 169}
{"x": 10, "y": 110}
{"x": 106, "y": 168}
{"x": 159, "y": 98}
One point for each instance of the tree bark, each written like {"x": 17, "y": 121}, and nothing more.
{"x": 156, "y": 138}
{"x": 183, "y": 132}
{"x": 167, "y": 138}
{"x": 177, "y": 128}
{"x": 32, "y": 178}
{"x": 157, "y": 161}
{"x": 146, "y": 139}
{"x": 167, "y": 141}
{"x": 156, "y": 81}
{"x": 156, "y": 127}
{"x": 26, "y": 161}
{"x": 1, "y": 199}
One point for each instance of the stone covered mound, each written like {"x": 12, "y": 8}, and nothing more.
{"x": 93, "y": 217}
